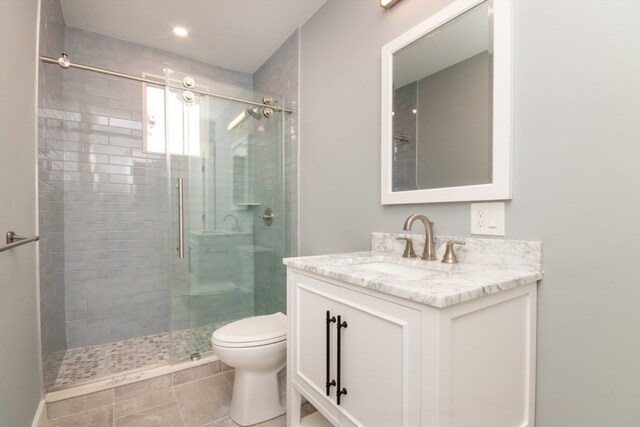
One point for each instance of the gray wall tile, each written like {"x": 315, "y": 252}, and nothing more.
{"x": 50, "y": 196}
{"x": 115, "y": 214}
{"x": 278, "y": 75}
{"x": 105, "y": 216}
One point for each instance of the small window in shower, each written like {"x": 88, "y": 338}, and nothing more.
{"x": 181, "y": 134}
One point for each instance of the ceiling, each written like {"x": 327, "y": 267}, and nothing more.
{"x": 236, "y": 34}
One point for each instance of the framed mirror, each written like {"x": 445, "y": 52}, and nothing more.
{"x": 446, "y": 107}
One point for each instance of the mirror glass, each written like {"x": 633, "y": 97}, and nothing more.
{"x": 442, "y": 105}
{"x": 446, "y": 95}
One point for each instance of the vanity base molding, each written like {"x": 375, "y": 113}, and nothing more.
{"x": 404, "y": 363}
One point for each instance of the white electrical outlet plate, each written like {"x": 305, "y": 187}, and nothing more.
{"x": 487, "y": 218}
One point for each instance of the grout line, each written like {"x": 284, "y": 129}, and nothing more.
{"x": 147, "y": 392}
{"x": 147, "y": 409}
{"x": 173, "y": 391}
{"x": 227, "y": 379}
{"x": 79, "y": 412}
{"x": 223, "y": 418}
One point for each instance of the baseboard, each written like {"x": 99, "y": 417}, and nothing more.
{"x": 40, "y": 417}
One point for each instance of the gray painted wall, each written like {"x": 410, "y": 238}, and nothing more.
{"x": 454, "y": 125}
{"x": 576, "y": 175}
{"x": 20, "y": 372}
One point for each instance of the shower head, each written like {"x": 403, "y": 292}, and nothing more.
{"x": 255, "y": 112}
{"x": 251, "y": 110}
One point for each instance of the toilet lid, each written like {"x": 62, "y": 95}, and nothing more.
{"x": 260, "y": 330}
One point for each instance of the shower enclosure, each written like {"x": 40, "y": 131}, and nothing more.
{"x": 227, "y": 214}
{"x": 173, "y": 218}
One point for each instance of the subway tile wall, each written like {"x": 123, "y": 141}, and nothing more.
{"x": 106, "y": 223}
{"x": 116, "y": 207}
{"x": 404, "y": 123}
{"x": 50, "y": 193}
{"x": 278, "y": 75}
{"x": 269, "y": 240}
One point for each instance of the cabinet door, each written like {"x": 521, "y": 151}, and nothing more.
{"x": 380, "y": 361}
{"x": 312, "y": 299}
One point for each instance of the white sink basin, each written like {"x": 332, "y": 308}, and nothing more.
{"x": 398, "y": 269}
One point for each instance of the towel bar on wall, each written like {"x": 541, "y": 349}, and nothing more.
{"x": 13, "y": 240}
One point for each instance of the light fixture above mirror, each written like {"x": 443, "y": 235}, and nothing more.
{"x": 446, "y": 107}
{"x": 387, "y": 4}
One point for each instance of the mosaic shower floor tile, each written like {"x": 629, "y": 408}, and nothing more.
{"x": 88, "y": 363}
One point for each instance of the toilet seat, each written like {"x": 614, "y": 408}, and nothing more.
{"x": 252, "y": 332}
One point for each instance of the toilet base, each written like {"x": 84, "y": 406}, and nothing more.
{"x": 256, "y": 397}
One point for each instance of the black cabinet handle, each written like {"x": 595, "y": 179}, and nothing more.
{"x": 340, "y": 391}
{"x": 328, "y": 320}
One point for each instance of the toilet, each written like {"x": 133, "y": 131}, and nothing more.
{"x": 256, "y": 347}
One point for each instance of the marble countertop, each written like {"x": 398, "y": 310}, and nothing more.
{"x": 441, "y": 285}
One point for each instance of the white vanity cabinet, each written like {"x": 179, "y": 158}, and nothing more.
{"x": 376, "y": 351}
{"x": 404, "y": 363}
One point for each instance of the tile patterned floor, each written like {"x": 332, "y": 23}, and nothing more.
{"x": 196, "y": 397}
{"x": 92, "y": 362}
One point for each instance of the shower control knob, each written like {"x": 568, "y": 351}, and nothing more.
{"x": 267, "y": 216}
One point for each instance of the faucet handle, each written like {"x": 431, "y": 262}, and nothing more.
{"x": 408, "y": 249}
{"x": 450, "y": 254}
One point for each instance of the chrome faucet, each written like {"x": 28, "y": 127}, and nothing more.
{"x": 236, "y": 225}
{"x": 429, "y": 252}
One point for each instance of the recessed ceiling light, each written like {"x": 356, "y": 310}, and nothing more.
{"x": 180, "y": 31}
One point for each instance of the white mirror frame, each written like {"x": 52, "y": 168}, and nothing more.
{"x": 501, "y": 186}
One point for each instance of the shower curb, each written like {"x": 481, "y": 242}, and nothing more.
{"x": 75, "y": 390}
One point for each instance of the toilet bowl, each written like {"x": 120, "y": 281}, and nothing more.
{"x": 256, "y": 347}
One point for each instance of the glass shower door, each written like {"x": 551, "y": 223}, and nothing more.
{"x": 227, "y": 187}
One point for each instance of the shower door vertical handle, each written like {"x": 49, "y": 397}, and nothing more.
{"x": 180, "y": 247}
